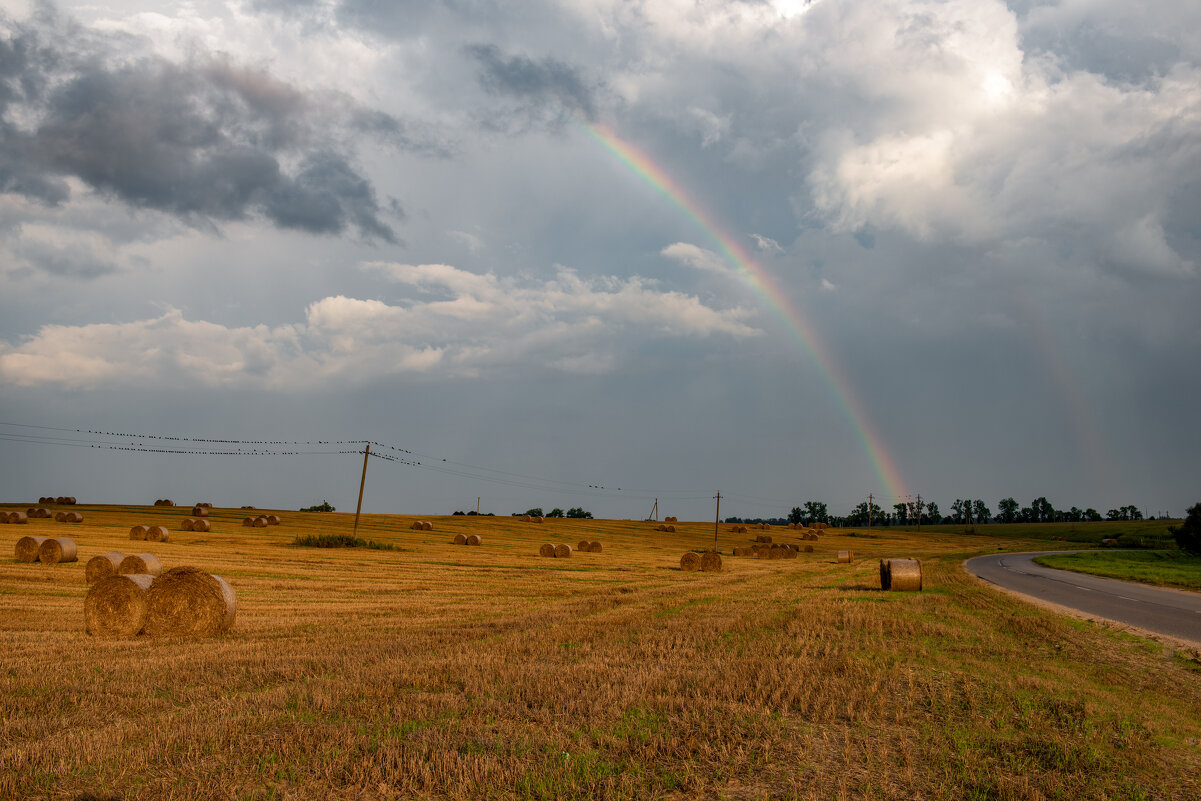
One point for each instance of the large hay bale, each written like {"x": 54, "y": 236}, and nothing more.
{"x": 60, "y": 517}
{"x": 74, "y": 517}
{"x": 582, "y": 546}
{"x": 273, "y": 520}
{"x": 811, "y": 535}
{"x": 594, "y": 547}
{"x": 187, "y": 524}
{"x": 138, "y": 532}
{"x": 763, "y": 538}
{"x": 690, "y": 562}
{"x": 248, "y": 521}
{"x": 136, "y": 563}
{"x": 547, "y": 549}
{"x": 711, "y": 561}
{"x": 200, "y": 511}
{"x": 158, "y": 534}
{"x": 27, "y": 548}
{"x": 415, "y": 527}
{"x": 460, "y": 539}
{"x": 902, "y": 575}
{"x": 776, "y": 552}
{"x": 427, "y": 526}
{"x": 18, "y": 517}
{"x": 259, "y": 522}
{"x": 845, "y": 557}
{"x": 116, "y": 606}
{"x": 188, "y": 602}
{"x": 537, "y": 519}
{"x": 562, "y": 550}
{"x": 202, "y": 525}
{"x": 474, "y": 539}
{"x": 102, "y": 566}
{"x": 526, "y": 518}
{"x": 56, "y": 550}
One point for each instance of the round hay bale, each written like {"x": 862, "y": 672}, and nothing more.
{"x": 158, "y": 534}
{"x": 201, "y": 525}
{"x": 1109, "y": 541}
{"x": 60, "y": 500}
{"x": 690, "y": 562}
{"x": 140, "y": 563}
{"x": 60, "y": 517}
{"x": 200, "y": 511}
{"x": 901, "y": 575}
{"x": 537, "y": 519}
{"x": 259, "y": 522}
{"x": 74, "y": 517}
{"x": 187, "y": 523}
{"x": 44, "y": 500}
{"x": 474, "y": 539}
{"x": 808, "y": 549}
{"x": 776, "y": 552}
{"x": 526, "y": 518}
{"x": 188, "y": 602}
{"x": 460, "y": 539}
{"x": 27, "y": 548}
{"x": 711, "y": 561}
{"x": 582, "y": 546}
{"x": 248, "y": 521}
{"x": 671, "y": 529}
{"x": 18, "y": 517}
{"x": 547, "y": 549}
{"x": 661, "y": 527}
{"x": 56, "y": 550}
{"x": 416, "y": 525}
{"x": 273, "y": 520}
{"x": 845, "y": 557}
{"x": 138, "y": 532}
{"x": 562, "y": 550}
{"x": 594, "y": 547}
{"x": 427, "y": 526}
{"x": 70, "y": 500}
{"x": 102, "y": 566}
{"x": 116, "y": 606}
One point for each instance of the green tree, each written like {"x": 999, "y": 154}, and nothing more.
{"x": 1092, "y": 515}
{"x": 815, "y": 512}
{"x": 859, "y": 516}
{"x": 577, "y": 512}
{"x": 1007, "y": 510}
{"x": 961, "y": 511}
{"x": 535, "y": 512}
{"x": 981, "y": 511}
{"x": 902, "y": 513}
{"x": 931, "y": 514}
{"x": 1188, "y": 533}
{"x": 556, "y": 512}
{"x": 796, "y": 515}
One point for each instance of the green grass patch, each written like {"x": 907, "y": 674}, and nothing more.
{"x": 340, "y": 541}
{"x": 1162, "y": 568}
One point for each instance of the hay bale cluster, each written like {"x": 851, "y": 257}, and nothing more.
{"x": 150, "y": 533}
{"x": 182, "y": 602}
{"x": 164, "y": 502}
{"x": 68, "y": 517}
{"x": 196, "y": 524}
{"x": 709, "y": 562}
{"x": 555, "y": 551}
{"x": 901, "y": 575}
{"x": 585, "y": 546}
{"x": 61, "y": 500}
{"x": 260, "y": 521}
{"x": 422, "y": 525}
{"x": 13, "y": 517}
{"x": 49, "y": 550}
{"x": 468, "y": 539}
{"x": 38, "y": 513}
{"x": 763, "y": 538}
{"x": 671, "y": 519}
{"x": 667, "y": 528}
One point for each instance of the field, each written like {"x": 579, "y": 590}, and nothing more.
{"x": 451, "y": 672}
{"x": 1165, "y": 568}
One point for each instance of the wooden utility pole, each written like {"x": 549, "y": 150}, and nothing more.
{"x": 477, "y": 505}
{"x": 362, "y": 483}
{"x": 655, "y": 511}
{"x": 716, "y": 520}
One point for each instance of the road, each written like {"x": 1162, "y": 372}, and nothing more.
{"x": 1173, "y": 613}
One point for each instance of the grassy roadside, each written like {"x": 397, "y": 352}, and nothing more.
{"x": 447, "y": 672}
{"x": 1162, "y": 568}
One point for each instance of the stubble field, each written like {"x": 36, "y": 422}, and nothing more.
{"x": 452, "y": 672}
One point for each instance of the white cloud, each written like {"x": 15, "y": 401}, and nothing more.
{"x": 696, "y": 257}
{"x": 766, "y": 244}
{"x": 486, "y": 323}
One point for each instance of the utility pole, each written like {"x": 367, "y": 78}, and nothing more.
{"x": 477, "y": 505}
{"x": 654, "y": 511}
{"x": 716, "y": 518}
{"x": 869, "y": 510}
{"x": 919, "y": 511}
{"x": 362, "y": 483}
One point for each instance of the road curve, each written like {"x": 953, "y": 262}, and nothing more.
{"x": 1172, "y": 613}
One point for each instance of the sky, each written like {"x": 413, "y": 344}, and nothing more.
{"x": 594, "y": 253}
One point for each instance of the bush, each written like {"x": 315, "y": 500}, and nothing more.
{"x": 340, "y": 541}
{"x": 535, "y": 512}
{"x": 321, "y": 507}
{"x": 1188, "y": 533}
{"x": 578, "y": 512}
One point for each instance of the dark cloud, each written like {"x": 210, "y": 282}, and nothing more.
{"x": 67, "y": 261}
{"x": 543, "y": 89}
{"x": 207, "y": 140}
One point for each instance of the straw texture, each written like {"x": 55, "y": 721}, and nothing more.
{"x": 27, "y": 548}
{"x": 56, "y": 550}
{"x": 188, "y": 602}
{"x": 135, "y": 563}
{"x": 116, "y": 606}
{"x": 102, "y": 566}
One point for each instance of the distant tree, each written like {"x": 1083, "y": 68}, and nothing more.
{"x": 457, "y": 512}
{"x": 796, "y": 515}
{"x": 578, "y": 512}
{"x": 902, "y": 513}
{"x": 931, "y": 514}
{"x": 1092, "y": 515}
{"x": 556, "y": 512}
{"x": 1113, "y": 514}
{"x": 816, "y": 512}
{"x": 980, "y": 511}
{"x": 535, "y": 512}
{"x": 961, "y": 511}
{"x": 1188, "y": 533}
{"x": 1007, "y": 510}
{"x": 321, "y": 507}
{"x": 1131, "y": 513}
{"x": 859, "y": 515}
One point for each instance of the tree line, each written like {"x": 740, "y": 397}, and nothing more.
{"x": 964, "y": 511}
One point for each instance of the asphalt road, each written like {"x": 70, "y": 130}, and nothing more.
{"x": 1174, "y": 613}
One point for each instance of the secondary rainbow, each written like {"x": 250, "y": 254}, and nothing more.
{"x": 773, "y": 296}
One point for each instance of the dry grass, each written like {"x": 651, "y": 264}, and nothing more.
{"x": 442, "y": 672}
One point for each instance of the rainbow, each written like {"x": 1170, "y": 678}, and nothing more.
{"x": 773, "y": 295}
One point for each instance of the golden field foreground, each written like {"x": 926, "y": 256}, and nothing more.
{"x": 443, "y": 671}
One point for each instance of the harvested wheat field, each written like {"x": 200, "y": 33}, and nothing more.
{"x": 435, "y": 671}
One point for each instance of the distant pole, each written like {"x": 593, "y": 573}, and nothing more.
{"x": 869, "y": 510}
{"x": 362, "y": 483}
{"x": 716, "y": 519}
{"x": 477, "y": 505}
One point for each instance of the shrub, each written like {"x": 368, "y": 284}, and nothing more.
{"x": 321, "y": 507}
{"x": 1188, "y": 533}
{"x": 340, "y": 541}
